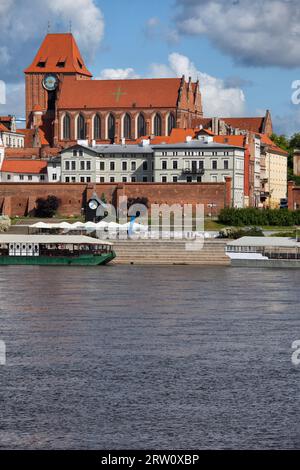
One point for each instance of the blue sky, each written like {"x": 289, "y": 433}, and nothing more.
{"x": 242, "y": 51}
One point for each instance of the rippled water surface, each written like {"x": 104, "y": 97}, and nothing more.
{"x": 149, "y": 357}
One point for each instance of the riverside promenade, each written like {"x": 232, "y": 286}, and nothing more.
{"x": 157, "y": 252}
{"x": 169, "y": 252}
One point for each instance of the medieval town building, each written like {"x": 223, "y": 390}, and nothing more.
{"x": 64, "y": 101}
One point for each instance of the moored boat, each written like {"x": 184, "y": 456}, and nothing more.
{"x": 52, "y": 250}
{"x": 272, "y": 252}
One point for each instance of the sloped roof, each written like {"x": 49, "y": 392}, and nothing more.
{"x": 29, "y": 135}
{"x": 24, "y": 166}
{"x": 271, "y": 145}
{"x": 139, "y": 93}
{"x": 238, "y": 140}
{"x": 3, "y": 128}
{"x": 20, "y": 152}
{"x": 253, "y": 124}
{"x": 58, "y": 48}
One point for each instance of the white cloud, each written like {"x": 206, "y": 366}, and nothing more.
{"x": 23, "y": 24}
{"x": 15, "y": 100}
{"x": 253, "y": 32}
{"x": 4, "y": 56}
{"x": 117, "y": 74}
{"x": 218, "y": 98}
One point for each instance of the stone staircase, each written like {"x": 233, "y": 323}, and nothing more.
{"x": 169, "y": 252}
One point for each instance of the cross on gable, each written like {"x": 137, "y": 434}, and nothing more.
{"x": 118, "y": 94}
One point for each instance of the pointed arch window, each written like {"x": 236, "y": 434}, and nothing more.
{"x": 111, "y": 127}
{"x": 66, "y": 127}
{"x": 127, "y": 126}
{"x": 81, "y": 133}
{"x": 141, "y": 126}
{"x": 97, "y": 127}
{"x": 157, "y": 125}
{"x": 171, "y": 123}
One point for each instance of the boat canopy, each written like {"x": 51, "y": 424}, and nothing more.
{"x": 52, "y": 239}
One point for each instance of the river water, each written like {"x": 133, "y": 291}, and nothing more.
{"x": 149, "y": 357}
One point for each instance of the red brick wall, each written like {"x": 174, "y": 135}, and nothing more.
{"x": 19, "y": 198}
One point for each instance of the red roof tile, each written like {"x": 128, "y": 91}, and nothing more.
{"x": 58, "y": 48}
{"x": 237, "y": 140}
{"x": 271, "y": 145}
{"x": 3, "y": 128}
{"x": 24, "y": 166}
{"x": 22, "y": 152}
{"x": 254, "y": 124}
{"x": 139, "y": 93}
{"x": 29, "y": 135}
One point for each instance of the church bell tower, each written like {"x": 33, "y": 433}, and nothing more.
{"x": 58, "y": 59}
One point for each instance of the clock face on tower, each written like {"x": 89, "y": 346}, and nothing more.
{"x": 50, "y": 82}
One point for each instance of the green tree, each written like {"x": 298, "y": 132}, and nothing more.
{"x": 281, "y": 141}
{"x": 46, "y": 207}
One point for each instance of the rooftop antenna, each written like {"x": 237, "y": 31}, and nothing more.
{"x": 70, "y": 26}
{"x": 49, "y": 27}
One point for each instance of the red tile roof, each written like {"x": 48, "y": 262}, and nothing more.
{"x": 206, "y": 131}
{"x": 271, "y": 145}
{"x": 237, "y": 140}
{"x": 201, "y": 121}
{"x": 24, "y": 166}
{"x": 6, "y": 118}
{"x": 139, "y": 93}
{"x": 13, "y": 153}
{"x": 29, "y": 135}
{"x": 253, "y": 124}
{"x": 3, "y": 128}
{"x": 59, "y": 48}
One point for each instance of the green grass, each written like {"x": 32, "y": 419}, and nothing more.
{"x": 213, "y": 225}
{"x": 33, "y": 220}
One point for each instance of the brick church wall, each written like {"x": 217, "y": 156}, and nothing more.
{"x": 18, "y": 199}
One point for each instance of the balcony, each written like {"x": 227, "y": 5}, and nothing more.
{"x": 193, "y": 171}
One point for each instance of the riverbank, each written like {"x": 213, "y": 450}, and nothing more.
{"x": 169, "y": 252}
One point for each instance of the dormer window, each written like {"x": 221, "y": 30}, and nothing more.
{"x": 61, "y": 63}
{"x": 41, "y": 64}
{"x": 79, "y": 63}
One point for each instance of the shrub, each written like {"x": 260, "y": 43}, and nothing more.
{"x": 234, "y": 233}
{"x": 4, "y": 223}
{"x": 258, "y": 217}
{"x": 46, "y": 207}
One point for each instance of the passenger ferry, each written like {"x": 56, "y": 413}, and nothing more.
{"x": 275, "y": 252}
{"x": 52, "y": 250}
